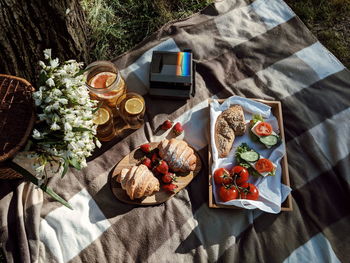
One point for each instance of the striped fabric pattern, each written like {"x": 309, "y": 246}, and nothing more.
{"x": 254, "y": 49}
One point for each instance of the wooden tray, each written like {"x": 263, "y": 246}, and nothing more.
{"x": 159, "y": 197}
{"x": 276, "y": 108}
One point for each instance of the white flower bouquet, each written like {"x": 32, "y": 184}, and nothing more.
{"x": 65, "y": 133}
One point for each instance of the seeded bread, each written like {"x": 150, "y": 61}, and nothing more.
{"x": 229, "y": 124}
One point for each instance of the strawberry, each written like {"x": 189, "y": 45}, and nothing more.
{"x": 166, "y": 125}
{"x": 162, "y": 167}
{"x": 168, "y": 178}
{"x": 146, "y": 147}
{"x": 169, "y": 187}
{"x": 178, "y": 129}
{"x": 155, "y": 158}
{"x": 147, "y": 161}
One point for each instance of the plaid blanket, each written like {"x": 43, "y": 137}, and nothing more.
{"x": 257, "y": 49}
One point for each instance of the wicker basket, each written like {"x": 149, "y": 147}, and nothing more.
{"x": 17, "y": 117}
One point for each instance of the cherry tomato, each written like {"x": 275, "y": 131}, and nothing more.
{"x": 222, "y": 176}
{"x": 228, "y": 192}
{"x": 240, "y": 174}
{"x": 264, "y": 165}
{"x": 250, "y": 192}
{"x": 263, "y": 129}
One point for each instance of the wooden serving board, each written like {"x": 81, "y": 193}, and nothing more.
{"x": 276, "y": 109}
{"x": 133, "y": 158}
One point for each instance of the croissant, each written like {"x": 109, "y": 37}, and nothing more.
{"x": 179, "y": 156}
{"x": 138, "y": 181}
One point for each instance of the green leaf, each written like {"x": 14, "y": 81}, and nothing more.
{"x": 75, "y": 163}
{"x": 42, "y": 78}
{"x": 65, "y": 167}
{"x": 28, "y": 145}
{"x": 98, "y": 107}
{"x": 27, "y": 175}
{"x": 80, "y": 129}
{"x": 80, "y": 72}
{"x": 256, "y": 118}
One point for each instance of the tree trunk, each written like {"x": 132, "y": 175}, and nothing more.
{"x": 29, "y": 27}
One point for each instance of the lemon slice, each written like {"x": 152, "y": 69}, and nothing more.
{"x": 101, "y": 116}
{"x": 134, "y": 106}
{"x": 110, "y": 80}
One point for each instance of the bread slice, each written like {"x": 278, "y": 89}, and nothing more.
{"x": 229, "y": 124}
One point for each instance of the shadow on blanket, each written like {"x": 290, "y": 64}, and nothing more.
{"x": 108, "y": 203}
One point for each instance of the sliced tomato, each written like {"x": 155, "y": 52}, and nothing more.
{"x": 263, "y": 129}
{"x": 264, "y": 165}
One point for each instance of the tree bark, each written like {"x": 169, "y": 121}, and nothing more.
{"x": 29, "y": 27}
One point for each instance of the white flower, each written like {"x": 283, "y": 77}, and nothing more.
{"x": 42, "y": 88}
{"x": 83, "y": 163}
{"x": 98, "y": 143}
{"x": 42, "y": 116}
{"x": 38, "y": 94}
{"x": 54, "y": 63}
{"x": 37, "y": 102}
{"x": 55, "y": 127}
{"x": 47, "y": 53}
{"x": 36, "y": 134}
{"x": 50, "y": 82}
{"x": 42, "y": 64}
{"x": 56, "y": 92}
{"x": 67, "y": 126}
{"x": 64, "y": 103}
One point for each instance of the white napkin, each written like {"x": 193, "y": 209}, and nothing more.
{"x": 272, "y": 192}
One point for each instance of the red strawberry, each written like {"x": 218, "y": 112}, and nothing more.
{"x": 162, "y": 167}
{"x": 147, "y": 161}
{"x": 168, "y": 178}
{"x": 166, "y": 125}
{"x": 146, "y": 147}
{"x": 178, "y": 129}
{"x": 155, "y": 158}
{"x": 169, "y": 187}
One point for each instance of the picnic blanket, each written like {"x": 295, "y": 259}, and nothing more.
{"x": 254, "y": 49}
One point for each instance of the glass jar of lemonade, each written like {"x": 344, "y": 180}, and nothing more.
{"x": 131, "y": 108}
{"x": 104, "y": 81}
{"x": 105, "y": 127}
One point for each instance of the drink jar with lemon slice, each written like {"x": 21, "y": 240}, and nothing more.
{"x": 105, "y": 82}
{"x": 104, "y": 119}
{"x": 131, "y": 107}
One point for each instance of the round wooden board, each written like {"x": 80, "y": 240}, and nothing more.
{"x": 159, "y": 197}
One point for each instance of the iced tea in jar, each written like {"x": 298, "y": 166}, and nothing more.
{"x": 103, "y": 117}
{"x": 131, "y": 108}
{"x": 104, "y": 82}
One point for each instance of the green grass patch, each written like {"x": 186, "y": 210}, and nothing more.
{"x": 329, "y": 21}
{"x": 117, "y": 26}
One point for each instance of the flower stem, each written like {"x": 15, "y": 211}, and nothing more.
{"x": 27, "y": 175}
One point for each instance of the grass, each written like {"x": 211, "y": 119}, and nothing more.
{"x": 117, "y": 25}
{"x": 329, "y": 21}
